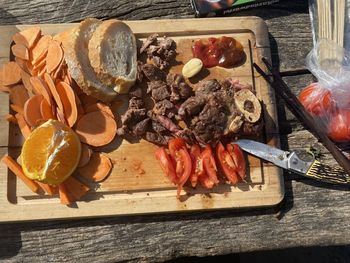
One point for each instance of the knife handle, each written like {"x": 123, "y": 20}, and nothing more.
{"x": 325, "y": 173}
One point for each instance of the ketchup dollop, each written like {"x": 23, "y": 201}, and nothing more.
{"x": 224, "y": 52}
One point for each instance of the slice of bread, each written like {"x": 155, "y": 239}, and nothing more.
{"x": 75, "y": 44}
{"x": 113, "y": 55}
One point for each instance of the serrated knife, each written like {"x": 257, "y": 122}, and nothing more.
{"x": 290, "y": 161}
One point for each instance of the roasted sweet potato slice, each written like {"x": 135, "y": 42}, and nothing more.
{"x": 97, "y": 169}
{"x": 67, "y": 97}
{"x": 32, "y": 112}
{"x": 10, "y": 74}
{"x": 85, "y": 155}
{"x": 54, "y": 56}
{"x": 96, "y": 128}
{"x": 25, "y": 129}
{"x": 18, "y": 95}
{"x": 28, "y": 36}
{"x": 20, "y": 51}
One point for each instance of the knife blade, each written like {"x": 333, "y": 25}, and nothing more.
{"x": 291, "y": 161}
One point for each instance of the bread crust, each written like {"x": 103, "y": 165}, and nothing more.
{"x": 73, "y": 41}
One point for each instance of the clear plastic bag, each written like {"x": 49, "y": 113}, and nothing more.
{"x": 328, "y": 100}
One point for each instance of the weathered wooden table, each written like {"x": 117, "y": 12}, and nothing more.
{"x": 311, "y": 214}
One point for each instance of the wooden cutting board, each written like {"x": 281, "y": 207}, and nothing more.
{"x": 137, "y": 184}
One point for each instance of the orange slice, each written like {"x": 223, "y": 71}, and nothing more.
{"x": 51, "y": 153}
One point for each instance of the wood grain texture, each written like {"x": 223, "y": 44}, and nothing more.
{"x": 312, "y": 214}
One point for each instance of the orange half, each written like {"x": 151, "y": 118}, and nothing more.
{"x": 51, "y": 153}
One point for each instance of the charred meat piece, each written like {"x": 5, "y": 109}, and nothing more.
{"x": 207, "y": 87}
{"x": 192, "y": 106}
{"x": 162, "y": 52}
{"x": 158, "y": 89}
{"x": 157, "y": 127}
{"x": 133, "y": 116}
{"x": 136, "y": 92}
{"x": 157, "y": 138}
{"x": 165, "y": 108}
{"x": 179, "y": 88}
{"x": 153, "y": 73}
{"x": 136, "y": 103}
{"x": 142, "y": 127}
{"x": 209, "y": 125}
{"x": 152, "y": 39}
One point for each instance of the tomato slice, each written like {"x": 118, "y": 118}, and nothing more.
{"x": 209, "y": 164}
{"x": 166, "y": 164}
{"x": 226, "y": 163}
{"x": 180, "y": 155}
{"x": 197, "y": 164}
{"x": 238, "y": 158}
{"x": 175, "y": 145}
{"x": 206, "y": 182}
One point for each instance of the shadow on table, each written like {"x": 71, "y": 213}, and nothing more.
{"x": 339, "y": 254}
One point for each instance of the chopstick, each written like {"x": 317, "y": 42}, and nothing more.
{"x": 294, "y": 105}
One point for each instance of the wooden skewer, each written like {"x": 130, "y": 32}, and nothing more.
{"x": 282, "y": 89}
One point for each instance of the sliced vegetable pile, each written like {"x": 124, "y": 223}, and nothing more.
{"x": 42, "y": 93}
{"x": 183, "y": 164}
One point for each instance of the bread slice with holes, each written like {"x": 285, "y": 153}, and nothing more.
{"x": 113, "y": 55}
{"x": 75, "y": 44}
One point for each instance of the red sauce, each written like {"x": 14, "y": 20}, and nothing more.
{"x": 224, "y": 52}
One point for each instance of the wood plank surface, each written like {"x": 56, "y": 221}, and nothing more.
{"x": 311, "y": 215}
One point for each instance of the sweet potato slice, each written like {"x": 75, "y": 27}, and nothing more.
{"x": 50, "y": 83}
{"x": 25, "y": 129}
{"x": 66, "y": 198}
{"x": 40, "y": 87}
{"x": 96, "y": 128}
{"x": 67, "y": 97}
{"x": 26, "y": 81}
{"x": 22, "y": 64}
{"x": 50, "y": 190}
{"x": 41, "y": 57}
{"x": 46, "y": 110}
{"x": 40, "y": 47}
{"x": 17, "y": 170}
{"x": 20, "y": 51}
{"x": 85, "y": 155}
{"x": 99, "y": 106}
{"x": 76, "y": 188}
{"x": 32, "y": 112}
{"x": 18, "y": 95}
{"x": 12, "y": 119}
{"x": 98, "y": 168}
{"x": 54, "y": 56}
{"x": 10, "y": 74}
{"x": 28, "y": 36}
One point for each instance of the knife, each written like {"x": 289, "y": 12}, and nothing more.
{"x": 291, "y": 162}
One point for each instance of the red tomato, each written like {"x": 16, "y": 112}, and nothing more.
{"x": 316, "y": 100}
{"x": 209, "y": 164}
{"x": 226, "y": 163}
{"x": 180, "y": 155}
{"x": 206, "y": 182}
{"x": 238, "y": 158}
{"x": 166, "y": 163}
{"x": 339, "y": 126}
{"x": 197, "y": 164}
